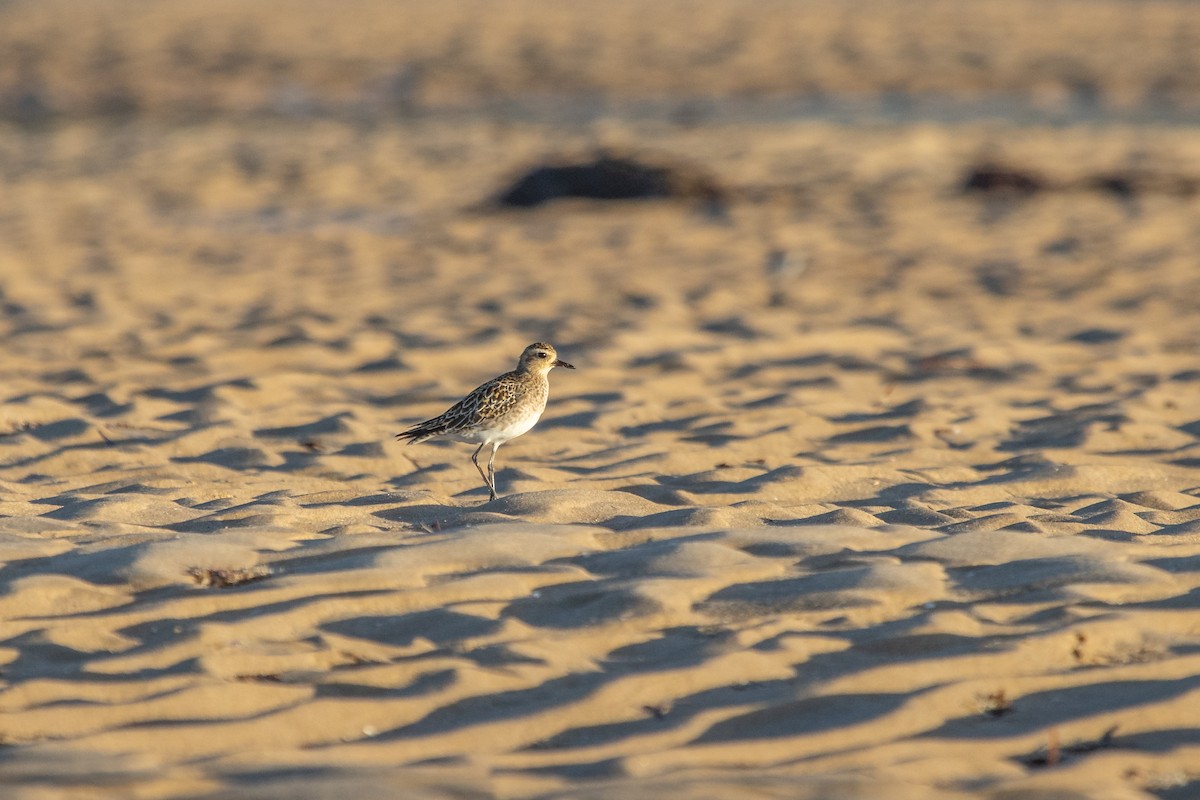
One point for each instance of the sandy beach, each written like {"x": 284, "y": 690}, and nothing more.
{"x": 878, "y": 476}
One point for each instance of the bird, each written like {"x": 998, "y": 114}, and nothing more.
{"x": 501, "y": 409}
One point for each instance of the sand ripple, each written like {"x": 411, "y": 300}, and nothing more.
{"x": 918, "y": 516}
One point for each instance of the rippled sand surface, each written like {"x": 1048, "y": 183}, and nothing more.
{"x": 866, "y": 485}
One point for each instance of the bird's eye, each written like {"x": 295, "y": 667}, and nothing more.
{"x": 542, "y": 355}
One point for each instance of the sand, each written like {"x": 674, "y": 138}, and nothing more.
{"x": 915, "y": 515}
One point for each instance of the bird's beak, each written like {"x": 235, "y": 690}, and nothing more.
{"x": 558, "y": 362}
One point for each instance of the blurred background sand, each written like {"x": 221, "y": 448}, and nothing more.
{"x": 878, "y": 476}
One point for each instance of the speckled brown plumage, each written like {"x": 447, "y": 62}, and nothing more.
{"x": 501, "y": 409}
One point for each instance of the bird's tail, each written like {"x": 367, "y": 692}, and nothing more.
{"x": 419, "y": 433}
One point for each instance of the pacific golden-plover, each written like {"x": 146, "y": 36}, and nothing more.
{"x": 499, "y": 410}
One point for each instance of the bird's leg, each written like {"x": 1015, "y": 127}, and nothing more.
{"x": 492, "y": 471}
{"x": 475, "y": 461}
